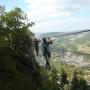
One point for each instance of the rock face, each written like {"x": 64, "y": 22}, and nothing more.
{"x": 29, "y": 66}
{"x": 18, "y": 71}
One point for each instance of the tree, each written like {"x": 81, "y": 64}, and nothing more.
{"x": 63, "y": 78}
{"x": 2, "y": 10}
{"x": 75, "y": 82}
{"x": 82, "y": 84}
{"x": 16, "y": 51}
{"x": 78, "y": 83}
{"x": 13, "y": 22}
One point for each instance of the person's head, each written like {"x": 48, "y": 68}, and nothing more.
{"x": 35, "y": 39}
{"x": 44, "y": 39}
{"x": 48, "y": 37}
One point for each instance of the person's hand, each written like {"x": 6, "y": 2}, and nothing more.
{"x": 48, "y": 37}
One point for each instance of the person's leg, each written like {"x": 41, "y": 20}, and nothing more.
{"x": 37, "y": 50}
{"x": 49, "y": 65}
{"x": 49, "y": 54}
{"x": 49, "y": 57}
{"x": 48, "y": 62}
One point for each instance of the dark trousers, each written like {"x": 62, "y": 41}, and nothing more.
{"x": 47, "y": 57}
{"x": 37, "y": 50}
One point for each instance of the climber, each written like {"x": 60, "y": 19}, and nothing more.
{"x": 46, "y": 50}
{"x": 36, "y": 45}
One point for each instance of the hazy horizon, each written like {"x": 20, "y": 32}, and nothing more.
{"x": 60, "y": 32}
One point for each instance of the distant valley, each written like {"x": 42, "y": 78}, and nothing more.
{"x": 75, "y": 43}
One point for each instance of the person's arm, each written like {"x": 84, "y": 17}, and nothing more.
{"x": 49, "y": 41}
